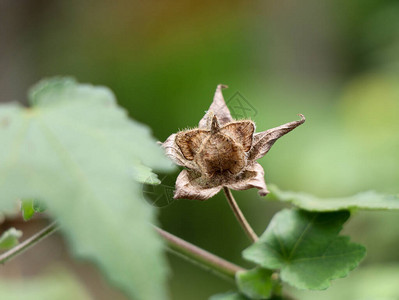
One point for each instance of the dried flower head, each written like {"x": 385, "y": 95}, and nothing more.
{"x": 221, "y": 152}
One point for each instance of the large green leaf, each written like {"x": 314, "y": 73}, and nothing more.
{"x": 367, "y": 201}
{"x": 56, "y": 285}
{"x": 307, "y": 248}
{"x": 78, "y": 152}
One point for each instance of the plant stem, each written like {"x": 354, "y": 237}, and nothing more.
{"x": 177, "y": 245}
{"x": 25, "y": 245}
{"x": 239, "y": 215}
{"x": 199, "y": 256}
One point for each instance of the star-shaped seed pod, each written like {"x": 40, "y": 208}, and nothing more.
{"x": 221, "y": 152}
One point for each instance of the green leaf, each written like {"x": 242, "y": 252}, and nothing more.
{"x": 39, "y": 206}
{"x": 30, "y": 206}
{"x": 256, "y": 283}
{"x": 307, "y": 248}
{"x": 373, "y": 282}
{"x": 228, "y": 296}
{"x": 58, "y": 285}
{"x": 78, "y": 152}
{"x": 27, "y": 209}
{"x": 9, "y": 238}
{"x": 367, "y": 201}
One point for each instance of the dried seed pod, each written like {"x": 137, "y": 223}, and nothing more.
{"x": 221, "y": 152}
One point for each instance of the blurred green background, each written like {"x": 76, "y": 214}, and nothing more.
{"x": 336, "y": 62}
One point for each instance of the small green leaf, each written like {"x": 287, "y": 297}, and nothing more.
{"x": 307, "y": 248}
{"x": 27, "y": 209}
{"x": 228, "y": 296}
{"x": 9, "y": 238}
{"x": 77, "y": 151}
{"x": 39, "y": 206}
{"x": 31, "y": 206}
{"x": 366, "y": 201}
{"x": 256, "y": 283}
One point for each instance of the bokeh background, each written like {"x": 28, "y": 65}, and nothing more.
{"x": 335, "y": 61}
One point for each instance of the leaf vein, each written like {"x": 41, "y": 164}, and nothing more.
{"x": 299, "y": 240}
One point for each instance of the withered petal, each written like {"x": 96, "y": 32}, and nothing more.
{"x": 190, "y": 141}
{"x": 217, "y": 108}
{"x": 263, "y": 141}
{"x": 175, "y": 154}
{"x": 186, "y": 190}
{"x": 241, "y": 132}
{"x": 256, "y": 181}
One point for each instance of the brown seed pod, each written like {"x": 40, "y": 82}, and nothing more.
{"x": 221, "y": 152}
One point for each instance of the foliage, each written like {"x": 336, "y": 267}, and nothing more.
{"x": 305, "y": 246}
{"x": 31, "y": 206}
{"x": 373, "y": 282}
{"x": 77, "y": 151}
{"x": 256, "y": 284}
{"x": 10, "y": 238}
{"x": 370, "y": 200}
{"x": 57, "y": 284}
{"x": 228, "y": 296}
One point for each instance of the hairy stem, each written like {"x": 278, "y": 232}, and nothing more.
{"x": 25, "y": 245}
{"x": 239, "y": 215}
{"x": 199, "y": 256}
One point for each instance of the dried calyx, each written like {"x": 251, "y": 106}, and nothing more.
{"x": 221, "y": 152}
